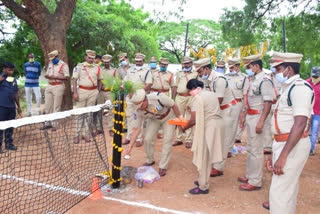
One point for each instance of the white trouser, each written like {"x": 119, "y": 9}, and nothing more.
{"x": 36, "y": 91}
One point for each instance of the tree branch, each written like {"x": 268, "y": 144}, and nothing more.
{"x": 65, "y": 11}
{"x": 17, "y": 9}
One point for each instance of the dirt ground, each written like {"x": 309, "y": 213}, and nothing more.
{"x": 170, "y": 193}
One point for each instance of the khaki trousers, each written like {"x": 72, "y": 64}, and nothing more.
{"x": 153, "y": 126}
{"x": 130, "y": 115}
{"x": 228, "y": 135}
{"x": 284, "y": 188}
{"x": 255, "y": 149}
{"x": 53, "y": 100}
{"x": 239, "y": 132}
{"x": 102, "y": 98}
{"x": 86, "y": 98}
{"x": 232, "y": 130}
{"x": 267, "y": 144}
{"x": 182, "y": 103}
{"x": 204, "y": 173}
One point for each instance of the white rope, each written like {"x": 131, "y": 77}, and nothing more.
{"x": 54, "y": 116}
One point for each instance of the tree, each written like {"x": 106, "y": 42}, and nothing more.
{"x": 202, "y": 33}
{"x": 50, "y": 22}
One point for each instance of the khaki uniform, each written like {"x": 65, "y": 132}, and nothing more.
{"x": 257, "y": 94}
{"x": 184, "y": 100}
{"x": 88, "y": 77}
{"x": 158, "y": 112}
{"x": 207, "y": 145}
{"x": 220, "y": 86}
{"x": 103, "y": 96}
{"x": 284, "y": 188}
{"x": 122, "y": 71}
{"x": 267, "y": 144}
{"x": 237, "y": 84}
{"x": 55, "y": 90}
{"x": 138, "y": 77}
{"x": 162, "y": 81}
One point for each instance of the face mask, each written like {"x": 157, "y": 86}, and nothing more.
{"x": 233, "y": 73}
{"x": 163, "y": 68}
{"x": 55, "y": 61}
{"x": 220, "y": 70}
{"x": 99, "y": 63}
{"x": 31, "y": 59}
{"x": 281, "y": 78}
{"x": 187, "y": 69}
{"x": 273, "y": 70}
{"x": 124, "y": 63}
{"x": 138, "y": 67}
{"x": 153, "y": 65}
{"x": 195, "y": 91}
{"x": 205, "y": 77}
{"x": 315, "y": 80}
{"x": 249, "y": 72}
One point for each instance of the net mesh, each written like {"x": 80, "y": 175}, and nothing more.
{"x": 49, "y": 172}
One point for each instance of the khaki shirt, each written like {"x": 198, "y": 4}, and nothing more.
{"x": 277, "y": 85}
{"x": 220, "y": 87}
{"x": 122, "y": 71}
{"x": 300, "y": 96}
{"x": 256, "y": 96}
{"x": 162, "y": 80}
{"x": 140, "y": 77}
{"x": 88, "y": 76}
{"x": 182, "y": 79}
{"x": 158, "y": 105}
{"x": 237, "y": 83}
{"x": 111, "y": 72}
{"x": 61, "y": 69}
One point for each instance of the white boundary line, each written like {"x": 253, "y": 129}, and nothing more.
{"x": 84, "y": 193}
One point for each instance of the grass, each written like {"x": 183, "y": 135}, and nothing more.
{"x": 42, "y": 84}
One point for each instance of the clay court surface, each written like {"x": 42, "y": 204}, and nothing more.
{"x": 170, "y": 193}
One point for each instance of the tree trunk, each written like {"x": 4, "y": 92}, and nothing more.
{"x": 51, "y": 30}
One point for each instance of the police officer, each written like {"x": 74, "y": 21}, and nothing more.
{"x": 258, "y": 99}
{"x": 221, "y": 65}
{"x": 237, "y": 81}
{"x": 218, "y": 84}
{"x": 89, "y": 76}
{"x": 124, "y": 65}
{"x": 290, "y": 127}
{"x": 104, "y": 94}
{"x": 139, "y": 75}
{"x": 184, "y": 98}
{"x": 158, "y": 108}
{"x": 9, "y": 99}
{"x": 57, "y": 73}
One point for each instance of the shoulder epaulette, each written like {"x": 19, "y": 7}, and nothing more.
{"x": 299, "y": 82}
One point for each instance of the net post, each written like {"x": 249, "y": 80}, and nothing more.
{"x": 117, "y": 139}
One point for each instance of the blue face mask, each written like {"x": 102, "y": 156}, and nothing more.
{"x": 153, "y": 65}
{"x": 205, "y": 77}
{"x": 163, "y": 68}
{"x": 249, "y": 72}
{"x": 233, "y": 73}
{"x": 55, "y": 61}
{"x": 273, "y": 70}
{"x": 187, "y": 69}
{"x": 281, "y": 78}
{"x": 124, "y": 63}
{"x": 220, "y": 70}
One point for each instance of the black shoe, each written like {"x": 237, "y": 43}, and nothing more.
{"x": 237, "y": 141}
{"x": 124, "y": 130}
{"x": 46, "y": 127}
{"x": 196, "y": 183}
{"x": 11, "y": 147}
{"x": 311, "y": 153}
{"x": 197, "y": 190}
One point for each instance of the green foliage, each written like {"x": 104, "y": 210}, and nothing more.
{"x": 116, "y": 86}
{"x": 201, "y": 34}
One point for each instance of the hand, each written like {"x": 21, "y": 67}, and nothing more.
{"x": 242, "y": 120}
{"x": 269, "y": 164}
{"x": 51, "y": 77}
{"x": 181, "y": 128}
{"x": 127, "y": 151}
{"x": 259, "y": 127}
{"x": 75, "y": 97}
{"x": 46, "y": 76}
{"x": 19, "y": 112}
{"x": 278, "y": 166}
{"x": 1, "y": 78}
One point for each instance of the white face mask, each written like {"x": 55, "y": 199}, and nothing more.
{"x": 281, "y": 78}
{"x": 138, "y": 67}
